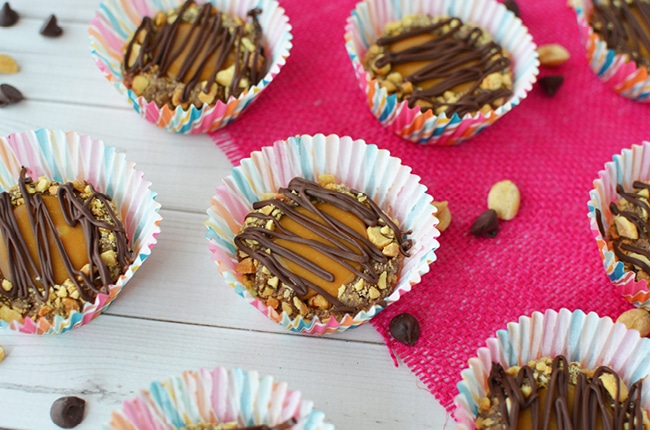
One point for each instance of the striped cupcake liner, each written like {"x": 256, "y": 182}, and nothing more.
{"x": 116, "y": 21}
{"x": 632, "y": 164}
{"x": 615, "y": 70}
{"x": 66, "y": 156}
{"x": 366, "y": 24}
{"x": 217, "y": 396}
{"x": 353, "y": 163}
{"x": 585, "y": 338}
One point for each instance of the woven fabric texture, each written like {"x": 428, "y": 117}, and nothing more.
{"x": 552, "y": 148}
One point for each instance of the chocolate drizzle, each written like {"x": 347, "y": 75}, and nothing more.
{"x": 282, "y": 426}
{"x": 623, "y": 246}
{"x": 28, "y": 276}
{"x": 209, "y": 36}
{"x": 593, "y": 406}
{"x": 454, "y": 58}
{"x": 625, "y": 27}
{"x": 345, "y": 245}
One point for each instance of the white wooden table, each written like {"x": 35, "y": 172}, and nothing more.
{"x": 176, "y": 313}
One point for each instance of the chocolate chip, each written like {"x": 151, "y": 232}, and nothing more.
{"x": 9, "y": 95}
{"x": 68, "y": 412}
{"x": 550, "y": 84}
{"x": 487, "y": 224}
{"x": 405, "y": 328}
{"x": 50, "y": 28}
{"x": 512, "y": 6}
{"x": 8, "y": 16}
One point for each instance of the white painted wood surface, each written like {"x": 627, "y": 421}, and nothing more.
{"x": 176, "y": 313}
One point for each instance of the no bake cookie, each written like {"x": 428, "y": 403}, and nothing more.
{"x": 61, "y": 244}
{"x": 442, "y": 64}
{"x": 194, "y": 55}
{"x": 320, "y": 250}
{"x": 629, "y": 233}
{"x": 555, "y": 393}
{"x": 625, "y": 26}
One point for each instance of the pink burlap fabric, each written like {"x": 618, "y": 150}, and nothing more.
{"x": 551, "y": 147}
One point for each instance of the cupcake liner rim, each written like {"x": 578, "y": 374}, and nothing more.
{"x": 65, "y": 156}
{"x": 308, "y": 156}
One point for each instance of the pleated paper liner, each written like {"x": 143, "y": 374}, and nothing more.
{"x": 354, "y": 163}
{"x": 116, "y": 21}
{"x": 66, "y": 156}
{"x": 585, "y": 338}
{"x": 617, "y": 71}
{"x": 632, "y": 164}
{"x": 366, "y": 24}
{"x": 217, "y": 396}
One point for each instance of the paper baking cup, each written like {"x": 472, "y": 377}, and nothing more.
{"x": 116, "y": 21}
{"x": 616, "y": 70}
{"x": 360, "y": 166}
{"x": 64, "y": 157}
{"x": 585, "y": 338}
{"x": 366, "y": 24}
{"x": 214, "y": 397}
{"x": 631, "y": 165}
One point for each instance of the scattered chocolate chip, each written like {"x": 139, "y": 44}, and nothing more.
{"x": 405, "y": 328}
{"x": 487, "y": 224}
{"x": 512, "y": 6}
{"x": 9, "y": 95}
{"x": 50, "y": 28}
{"x": 8, "y": 16}
{"x": 68, "y": 412}
{"x": 550, "y": 84}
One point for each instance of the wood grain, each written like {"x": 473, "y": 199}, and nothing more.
{"x": 176, "y": 313}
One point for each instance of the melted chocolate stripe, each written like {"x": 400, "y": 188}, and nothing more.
{"x": 320, "y": 229}
{"x": 17, "y": 250}
{"x": 628, "y": 259}
{"x": 591, "y": 402}
{"x": 207, "y": 29}
{"x": 344, "y": 244}
{"x": 455, "y": 60}
{"x": 624, "y": 30}
{"x": 74, "y": 211}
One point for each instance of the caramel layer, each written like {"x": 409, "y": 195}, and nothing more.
{"x": 72, "y": 239}
{"x": 46, "y": 240}
{"x": 339, "y": 273}
{"x": 321, "y": 242}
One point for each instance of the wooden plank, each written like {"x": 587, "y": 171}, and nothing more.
{"x": 184, "y": 170}
{"x": 355, "y": 384}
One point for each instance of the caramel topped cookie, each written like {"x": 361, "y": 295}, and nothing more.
{"x": 60, "y": 245}
{"x": 320, "y": 250}
{"x": 625, "y": 26}
{"x": 556, "y": 394}
{"x": 194, "y": 55}
{"x": 441, "y": 63}
{"x": 629, "y": 233}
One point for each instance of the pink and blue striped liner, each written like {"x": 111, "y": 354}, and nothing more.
{"x": 632, "y": 164}
{"x": 214, "y": 397}
{"x": 585, "y": 338}
{"x": 354, "y": 163}
{"x": 66, "y": 156}
{"x": 616, "y": 70}
{"x": 366, "y": 24}
{"x": 115, "y": 22}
